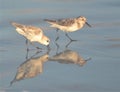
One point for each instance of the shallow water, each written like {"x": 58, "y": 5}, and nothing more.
{"x": 101, "y": 43}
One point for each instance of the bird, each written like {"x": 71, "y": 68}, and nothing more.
{"x": 68, "y": 25}
{"x": 69, "y": 57}
{"x": 30, "y": 68}
{"x": 32, "y": 34}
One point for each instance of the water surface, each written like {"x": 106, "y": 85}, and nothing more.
{"x": 101, "y": 43}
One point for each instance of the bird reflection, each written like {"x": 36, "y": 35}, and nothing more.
{"x": 69, "y": 56}
{"x": 30, "y": 68}
{"x": 33, "y": 66}
{"x": 70, "y": 43}
{"x": 66, "y": 46}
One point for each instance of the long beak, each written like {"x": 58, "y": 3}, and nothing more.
{"x": 88, "y": 24}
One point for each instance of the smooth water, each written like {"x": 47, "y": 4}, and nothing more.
{"x": 101, "y": 43}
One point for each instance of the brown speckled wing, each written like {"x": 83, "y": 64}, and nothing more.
{"x": 66, "y": 22}
{"x": 34, "y": 30}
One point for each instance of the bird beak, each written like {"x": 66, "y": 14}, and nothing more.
{"x": 88, "y": 24}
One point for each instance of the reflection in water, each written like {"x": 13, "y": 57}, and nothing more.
{"x": 34, "y": 65}
{"x": 66, "y": 46}
{"x": 30, "y": 68}
{"x": 69, "y": 56}
{"x": 70, "y": 43}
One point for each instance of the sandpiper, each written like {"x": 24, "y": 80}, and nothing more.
{"x": 31, "y": 33}
{"x": 68, "y": 25}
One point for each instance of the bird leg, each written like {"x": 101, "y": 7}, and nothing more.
{"x": 48, "y": 49}
{"x": 35, "y": 46}
{"x": 68, "y": 44}
{"x": 27, "y": 45}
{"x": 57, "y": 47}
{"x": 57, "y": 35}
{"x": 69, "y": 37}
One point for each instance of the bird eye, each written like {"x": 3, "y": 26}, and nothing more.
{"x": 47, "y": 40}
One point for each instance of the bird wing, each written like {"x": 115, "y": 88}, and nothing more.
{"x": 62, "y": 22}
{"x": 33, "y": 30}
{"x": 29, "y": 30}
{"x": 17, "y": 25}
{"x": 66, "y": 22}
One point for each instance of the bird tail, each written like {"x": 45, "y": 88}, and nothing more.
{"x": 50, "y": 21}
{"x": 17, "y": 25}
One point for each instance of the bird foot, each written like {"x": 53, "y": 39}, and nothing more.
{"x": 38, "y": 48}
{"x": 73, "y": 40}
